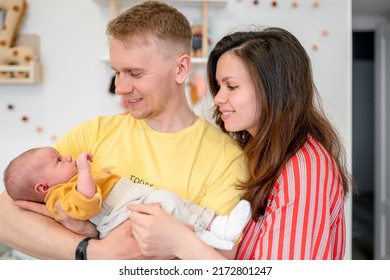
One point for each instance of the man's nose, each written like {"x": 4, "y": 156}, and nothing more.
{"x": 123, "y": 85}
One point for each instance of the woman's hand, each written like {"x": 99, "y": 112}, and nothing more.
{"x": 119, "y": 244}
{"x": 156, "y": 232}
{"x": 85, "y": 228}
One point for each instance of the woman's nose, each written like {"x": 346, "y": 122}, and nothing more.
{"x": 219, "y": 98}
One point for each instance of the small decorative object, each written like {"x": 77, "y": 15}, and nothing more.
{"x": 10, "y": 107}
{"x": 111, "y": 89}
{"x": 294, "y": 4}
{"x": 316, "y": 3}
{"x": 38, "y": 129}
{"x": 325, "y": 32}
{"x": 9, "y": 53}
{"x": 274, "y": 4}
{"x": 197, "y": 87}
{"x": 197, "y": 40}
{"x": 314, "y": 47}
{"x": 24, "y": 119}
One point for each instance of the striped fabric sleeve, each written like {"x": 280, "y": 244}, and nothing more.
{"x": 305, "y": 215}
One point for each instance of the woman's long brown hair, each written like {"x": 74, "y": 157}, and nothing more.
{"x": 289, "y": 108}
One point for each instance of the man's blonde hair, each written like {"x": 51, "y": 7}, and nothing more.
{"x": 154, "y": 18}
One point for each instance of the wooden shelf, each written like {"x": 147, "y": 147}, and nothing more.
{"x": 33, "y": 71}
{"x": 116, "y": 5}
{"x": 199, "y": 60}
{"x": 194, "y": 60}
{"x": 217, "y": 3}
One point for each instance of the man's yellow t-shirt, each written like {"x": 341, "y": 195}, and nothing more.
{"x": 199, "y": 163}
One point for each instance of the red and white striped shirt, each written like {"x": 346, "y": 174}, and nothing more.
{"x": 304, "y": 218}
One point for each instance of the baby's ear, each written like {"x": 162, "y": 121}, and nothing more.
{"x": 41, "y": 188}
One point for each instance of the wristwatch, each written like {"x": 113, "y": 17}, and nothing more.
{"x": 81, "y": 250}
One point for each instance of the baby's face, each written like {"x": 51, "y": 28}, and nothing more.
{"x": 57, "y": 168}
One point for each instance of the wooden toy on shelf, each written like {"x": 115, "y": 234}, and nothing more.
{"x": 18, "y": 63}
{"x": 198, "y": 50}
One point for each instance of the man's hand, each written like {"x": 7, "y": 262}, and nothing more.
{"x": 34, "y": 207}
{"x": 85, "y": 228}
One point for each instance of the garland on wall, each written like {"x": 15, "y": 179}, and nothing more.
{"x": 26, "y": 119}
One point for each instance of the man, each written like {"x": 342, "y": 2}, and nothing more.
{"x": 161, "y": 142}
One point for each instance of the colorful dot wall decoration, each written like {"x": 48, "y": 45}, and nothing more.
{"x": 323, "y": 32}
{"x": 26, "y": 119}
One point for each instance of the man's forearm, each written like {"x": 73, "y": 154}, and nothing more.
{"x": 34, "y": 234}
{"x": 41, "y": 237}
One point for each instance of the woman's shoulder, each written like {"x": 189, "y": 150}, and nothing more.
{"x": 308, "y": 168}
{"x": 313, "y": 150}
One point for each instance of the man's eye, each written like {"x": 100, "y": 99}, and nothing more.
{"x": 136, "y": 75}
{"x": 232, "y": 87}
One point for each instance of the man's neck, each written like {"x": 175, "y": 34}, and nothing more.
{"x": 174, "y": 122}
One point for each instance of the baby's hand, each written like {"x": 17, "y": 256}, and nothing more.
{"x": 83, "y": 161}
{"x": 87, "y": 156}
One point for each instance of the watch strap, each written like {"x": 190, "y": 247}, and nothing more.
{"x": 81, "y": 250}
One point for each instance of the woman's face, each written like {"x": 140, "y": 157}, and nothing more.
{"x": 236, "y": 97}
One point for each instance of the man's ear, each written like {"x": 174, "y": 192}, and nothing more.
{"x": 41, "y": 188}
{"x": 183, "y": 68}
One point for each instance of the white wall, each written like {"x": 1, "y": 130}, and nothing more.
{"x": 75, "y": 80}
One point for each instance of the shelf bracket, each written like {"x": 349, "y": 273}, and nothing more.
{"x": 205, "y": 15}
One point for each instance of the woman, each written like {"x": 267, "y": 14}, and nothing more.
{"x": 267, "y": 102}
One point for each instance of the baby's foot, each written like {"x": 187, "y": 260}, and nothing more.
{"x": 230, "y": 226}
